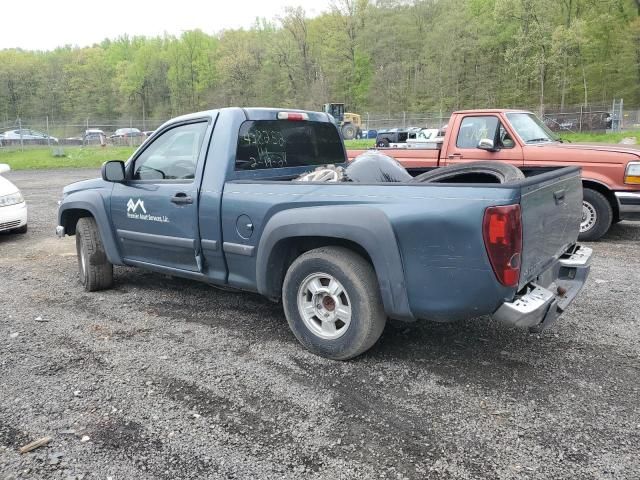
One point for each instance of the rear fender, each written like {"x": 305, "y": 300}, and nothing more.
{"x": 366, "y": 227}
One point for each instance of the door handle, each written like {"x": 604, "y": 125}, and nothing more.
{"x": 455, "y": 155}
{"x": 181, "y": 199}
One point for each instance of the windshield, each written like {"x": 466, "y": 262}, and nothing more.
{"x": 530, "y": 128}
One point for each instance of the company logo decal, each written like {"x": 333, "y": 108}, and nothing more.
{"x": 133, "y": 206}
{"x": 137, "y": 211}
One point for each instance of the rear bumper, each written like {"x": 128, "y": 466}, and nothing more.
{"x": 628, "y": 205}
{"x": 540, "y": 306}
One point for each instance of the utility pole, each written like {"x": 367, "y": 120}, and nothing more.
{"x": 21, "y": 141}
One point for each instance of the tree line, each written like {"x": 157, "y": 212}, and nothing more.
{"x": 376, "y": 56}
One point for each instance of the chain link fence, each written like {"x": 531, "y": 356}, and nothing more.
{"x": 25, "y": 133}
{"x": 596, "y": 118}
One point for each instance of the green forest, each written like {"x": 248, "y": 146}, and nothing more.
{"x": 375, "y": 56}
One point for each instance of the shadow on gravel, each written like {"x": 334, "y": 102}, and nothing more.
{"x": 177, "y": 298}
{"x": 623, "y": 231}
{"x": 11, "y": 436}
{"x": 9, "y": 236}
{"x": 493, "y": 357}
{"x": 478, "y": 352}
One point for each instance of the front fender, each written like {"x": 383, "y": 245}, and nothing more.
{"x": 365, "y": 226}
{"x": 93, "y": 203}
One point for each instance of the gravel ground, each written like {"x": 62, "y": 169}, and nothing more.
{"x": 162, "y": 378}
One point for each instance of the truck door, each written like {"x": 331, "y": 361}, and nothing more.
{"x": 155, "y": 211}
{"x": 463, "y": 147}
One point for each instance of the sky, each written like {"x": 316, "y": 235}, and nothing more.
{"x": 47, "y": 24}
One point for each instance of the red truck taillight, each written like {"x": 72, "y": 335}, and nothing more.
{"x": 502, "y": 232}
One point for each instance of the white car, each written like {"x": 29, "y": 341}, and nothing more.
{"x": 27, "y": 135}
{"x": 13, "y": 208}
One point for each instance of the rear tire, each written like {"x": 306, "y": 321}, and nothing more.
{"x": 96, "y": 272}
{"x": 500, "y": 171}
{"x": 333, "y": 286}
{"x": 382, "y": 143}
{"x": 597, "y": 216}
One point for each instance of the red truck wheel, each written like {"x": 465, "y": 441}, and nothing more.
{"x": 597, "y": 216}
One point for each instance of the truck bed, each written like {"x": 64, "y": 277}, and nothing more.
{"x": 436, "y": 227}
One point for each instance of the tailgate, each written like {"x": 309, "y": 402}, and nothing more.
{"x": 551, "y": 205}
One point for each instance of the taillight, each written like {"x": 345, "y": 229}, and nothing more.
{"x": 502, "y": 232}
{"x": 292, "y": 116}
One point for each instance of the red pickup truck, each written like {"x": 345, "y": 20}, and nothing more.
{"x": 610, "y": 173}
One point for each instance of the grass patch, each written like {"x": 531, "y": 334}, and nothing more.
{"x": 74, "y": 157}
{"x": 361, "y": 144}
{"x": 600, "y": 137}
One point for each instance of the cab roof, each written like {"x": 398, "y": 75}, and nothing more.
{"x": 255, "y": 113}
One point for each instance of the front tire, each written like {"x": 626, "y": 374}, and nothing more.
{"x": 96, "y": 272}
{"x": 332, "y": 302}
{"x": 349, "y": 131}
{"x": 597, "y": 216}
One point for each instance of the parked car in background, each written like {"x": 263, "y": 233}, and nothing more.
{"x": 610, "y": 173}
{"x": 148, "y": 133}
{"x": 26, "y": 135}
{"x": 91, "y": 136}
{"x": 94, "y": 136}
{"x": 385, "y": 138}
{"x": 128, "y": 136}
{"x": 13, "y": 208}
{"x": 370, "y": 134}
{"x": 421, "y": 138}
{"x": 127, "y": 132}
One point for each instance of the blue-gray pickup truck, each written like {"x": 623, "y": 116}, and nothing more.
{"x": 218, "y": 197}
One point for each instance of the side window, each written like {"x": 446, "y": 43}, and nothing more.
{"x": 173, "y": 155}
{"x": 473, "y": 129}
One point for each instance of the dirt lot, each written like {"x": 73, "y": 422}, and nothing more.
{"x": 167, "y": 378}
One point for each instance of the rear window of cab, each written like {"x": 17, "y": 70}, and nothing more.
{"x": 264, "y": 144}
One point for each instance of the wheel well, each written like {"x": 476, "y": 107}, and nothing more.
{"x": 70, "y": 218}
{"x": 608, "y": 194}
{"x": 287, "y": 250}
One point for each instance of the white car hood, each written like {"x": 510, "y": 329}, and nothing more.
{"x": 6, "y": 187}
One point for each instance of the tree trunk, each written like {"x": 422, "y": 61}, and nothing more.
{"x": 541, "y": 89}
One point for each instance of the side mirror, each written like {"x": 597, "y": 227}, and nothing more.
{"x": 113, "y": 171}
{"x": 486, "y": 144}
{"x": 4, "y": 168}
